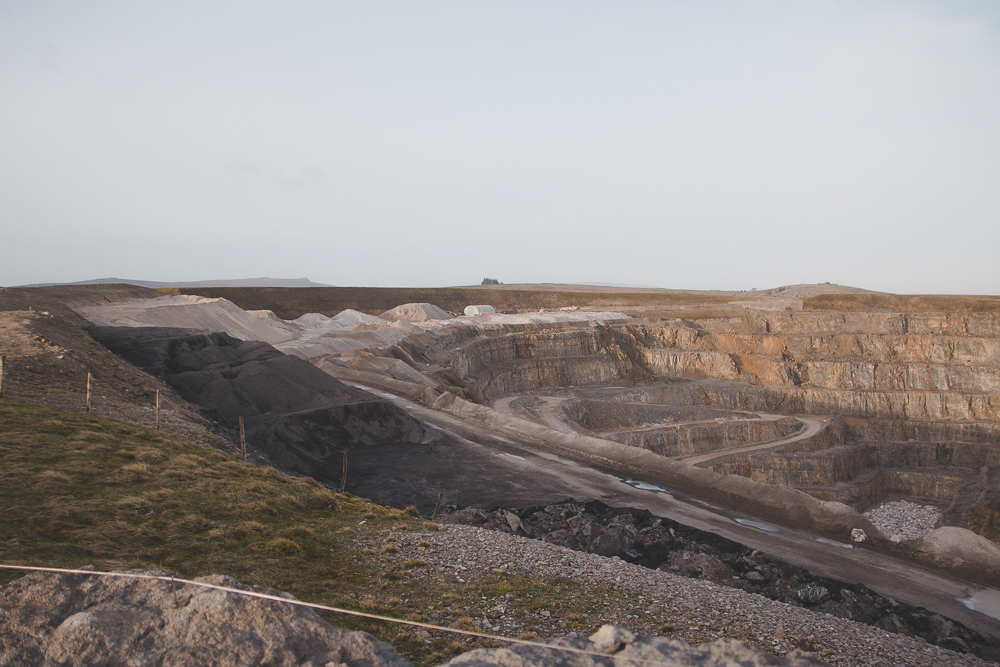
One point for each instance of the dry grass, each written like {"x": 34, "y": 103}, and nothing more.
{"x": 133, "y": 472}
{"x": 298, "y": 533}
{"x": 903, "y": 303}
{"x": 50, "y": 476}
{"x": 187, "y": 509}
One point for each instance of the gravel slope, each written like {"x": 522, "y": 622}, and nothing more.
{"x": 697, "y": 611}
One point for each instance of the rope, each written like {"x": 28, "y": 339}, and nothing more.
{"x": 338, "y": 610}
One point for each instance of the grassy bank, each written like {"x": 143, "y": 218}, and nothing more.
{"x": 80, "y": 490}
{"x": 902, "y": 303}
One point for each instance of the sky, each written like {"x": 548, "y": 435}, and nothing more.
{"x": 725, "y": 144}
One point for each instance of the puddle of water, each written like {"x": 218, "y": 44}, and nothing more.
{"x": 985, "y": 601}
{"x": 823, "y": 540}
{"x": 767, "y": 528}
{"x": 644, "y": 486}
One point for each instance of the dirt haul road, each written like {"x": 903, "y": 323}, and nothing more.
{"x": 490, "y": 469}
{"x": 812, "y": 427}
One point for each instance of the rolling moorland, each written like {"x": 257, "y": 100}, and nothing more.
{"x": 694, "y": 360}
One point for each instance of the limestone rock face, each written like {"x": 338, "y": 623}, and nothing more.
{"x": 64, "y": 619}
{"x": 887, "y": 366}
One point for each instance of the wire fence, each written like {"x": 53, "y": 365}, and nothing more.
{"x": 338, "y": 610}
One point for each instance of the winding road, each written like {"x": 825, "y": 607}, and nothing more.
{"x": 543, "y": 476}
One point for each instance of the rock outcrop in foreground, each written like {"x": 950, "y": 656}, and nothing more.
{"x": 66, "y": 619}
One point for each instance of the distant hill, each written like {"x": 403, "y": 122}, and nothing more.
{"x": 240, "y": 282}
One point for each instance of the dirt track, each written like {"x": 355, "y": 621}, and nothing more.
{"x": 504, "y": 467}
{"x": 812, "y": 427}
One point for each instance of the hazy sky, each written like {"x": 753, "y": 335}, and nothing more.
{"x": 703, "y": 145}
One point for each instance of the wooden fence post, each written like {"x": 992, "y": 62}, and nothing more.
{"x": 89, "y": 377}
{"x": 157, "y": 409}
{"x": 437, "y": 507}
{"x": 243, "y": 440}
{"x": 343, "y": 474}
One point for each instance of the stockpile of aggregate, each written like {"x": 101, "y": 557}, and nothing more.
{"x": 903, "y": 520}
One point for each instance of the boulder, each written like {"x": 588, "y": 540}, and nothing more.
{"x": 71, "y": 619}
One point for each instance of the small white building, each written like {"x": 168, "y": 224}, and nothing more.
{"x": 479, "y": 310}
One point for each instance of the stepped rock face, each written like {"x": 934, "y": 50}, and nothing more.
{"x": 687, "y": 439}
{"x": 917, "y": 396}
{"x": 865, "y": 365}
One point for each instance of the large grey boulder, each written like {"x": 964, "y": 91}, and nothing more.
{"x": 54, "y": 620}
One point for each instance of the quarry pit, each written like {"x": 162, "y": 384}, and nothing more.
{"x": 860, "y": 408}
{"x": 738, "y": 418}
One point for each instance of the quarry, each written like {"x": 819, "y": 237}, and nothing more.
{"x": 853, "y": 435}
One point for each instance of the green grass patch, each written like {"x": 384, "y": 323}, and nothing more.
{"x": 78, "y": 490}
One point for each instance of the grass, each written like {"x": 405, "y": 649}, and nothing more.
{"x": 78, "y": 490}
{"x": 902, "y": 303}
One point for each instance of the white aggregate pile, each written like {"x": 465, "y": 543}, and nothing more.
{"x": 902, "y": 520}
{"x": 355, "y": 318}
{"x": 313, "y": 334}
{"x": 416, "y": 312}
{"x": 191, "y": 312}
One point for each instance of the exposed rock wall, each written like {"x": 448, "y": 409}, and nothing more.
{"x": 531, "y": 374}
{"x": 685, "y": 439}
{"x": 608, "y": 416}
{"x": 922, "y": 406}
{"x": 871, "y": 365}
{"x": 898, "y": 430}
{"x": 490, "y": 349}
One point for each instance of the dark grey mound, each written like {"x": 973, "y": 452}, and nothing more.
{"x": 296, "y": 416}
{"x": 639, "y": 537}
{"x": 64, "y": 619}
{"x": 57, "y": 620}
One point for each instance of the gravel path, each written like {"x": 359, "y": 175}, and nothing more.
{"x": 902, "y": 520}
{"x": 647, "y": 600}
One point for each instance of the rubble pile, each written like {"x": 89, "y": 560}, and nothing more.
{"x": 902, "y": 520}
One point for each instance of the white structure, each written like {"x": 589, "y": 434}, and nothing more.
{"x": 479, "y": 310}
